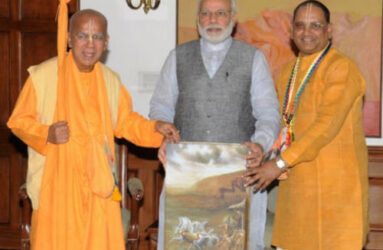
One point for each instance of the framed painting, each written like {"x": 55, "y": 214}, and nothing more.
{"x": 266, "y": 24}
{"x": 206, "y": 202}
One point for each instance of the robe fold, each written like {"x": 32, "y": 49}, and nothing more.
{"x": 71, "y": 184}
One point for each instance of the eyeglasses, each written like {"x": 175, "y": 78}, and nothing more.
{"x": 85, "y": 37}
{"x": 311, "y": 26}
{"x": 219, "y": 14}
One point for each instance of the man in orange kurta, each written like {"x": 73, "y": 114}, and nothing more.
{"x": 322, "y": 205}
{"x": 69, "y": 122}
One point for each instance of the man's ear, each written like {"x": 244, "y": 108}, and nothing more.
{"x": 329, "y": 30}
{"x": 234, "y": 17}
{"x": 106, "y": 43}
{"x": 197, "y": 19}
{"x": 69, "y": 40}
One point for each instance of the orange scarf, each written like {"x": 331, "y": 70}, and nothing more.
{"x": 78, "y": 170}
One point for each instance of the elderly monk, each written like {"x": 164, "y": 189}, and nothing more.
{"x": 323, "y": 202}
{"x": 71, "y": 173}
{"x": 217, "y": 89}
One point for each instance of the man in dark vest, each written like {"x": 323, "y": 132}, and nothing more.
{"x": 217, "y": 89}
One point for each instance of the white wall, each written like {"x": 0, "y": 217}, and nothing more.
{"x": 139, "y": 44}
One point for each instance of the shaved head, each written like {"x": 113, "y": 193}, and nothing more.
{"x": 316, "y": 3}
{"x": 88, "y": 13}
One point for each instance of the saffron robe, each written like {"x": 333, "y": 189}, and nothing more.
{"x": 323, "y": 203}
{"x": 73, "y": 209}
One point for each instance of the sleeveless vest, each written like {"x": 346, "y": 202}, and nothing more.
{"x": 217, "y": 109}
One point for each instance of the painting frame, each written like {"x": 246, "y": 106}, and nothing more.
{"x": 373, "y": 117}
{"x": 206, "y": 203}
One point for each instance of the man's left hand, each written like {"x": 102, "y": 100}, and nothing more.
{"x": 262, "y": 176}
{"x": 168, "y": 130}
{"x": 255, "y": 157}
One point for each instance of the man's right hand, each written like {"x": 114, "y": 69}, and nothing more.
{"x": 58, "y": 133}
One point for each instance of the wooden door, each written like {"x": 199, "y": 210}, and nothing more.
{"x": 27, "y": 37}
{"x": 375, "y": 173}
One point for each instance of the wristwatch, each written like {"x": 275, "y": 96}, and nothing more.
{"x": 281, "y": 164}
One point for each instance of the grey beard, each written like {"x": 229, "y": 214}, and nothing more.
{"x": 226, "y": 32}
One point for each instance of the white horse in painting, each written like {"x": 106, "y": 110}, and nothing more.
{"x": 194, "y": 234}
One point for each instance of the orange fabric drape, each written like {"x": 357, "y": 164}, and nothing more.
{"x": 62, "y": 32}
{"x": 74, "y": 209}
{"x": 62, "y": 38}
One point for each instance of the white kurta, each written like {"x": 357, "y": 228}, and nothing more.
{"x": 265, "y": 110}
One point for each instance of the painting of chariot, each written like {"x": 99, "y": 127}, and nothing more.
{"x": 206, "y": 203}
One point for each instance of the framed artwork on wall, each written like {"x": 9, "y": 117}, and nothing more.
{"x": 266, "y": 24}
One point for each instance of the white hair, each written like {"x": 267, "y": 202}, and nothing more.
{"x": 233, "y": 6}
